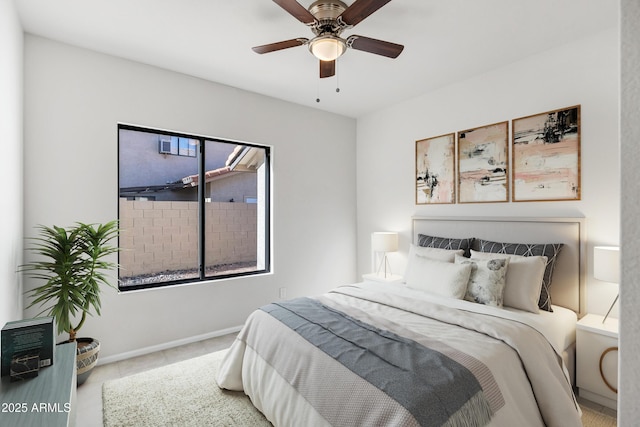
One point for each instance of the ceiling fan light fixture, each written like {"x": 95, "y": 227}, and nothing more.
{"x": 327, "y": 47}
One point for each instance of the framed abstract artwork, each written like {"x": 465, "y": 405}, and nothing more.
{"x": 546, "y": 156}
{"x": 483, "y": 154}
{"x": 435, "y": 170}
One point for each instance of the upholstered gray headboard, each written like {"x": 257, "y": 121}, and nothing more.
{"x": 569, "y": 277}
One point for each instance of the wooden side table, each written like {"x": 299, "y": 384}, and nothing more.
{"x": 46, "y": 400}
{"x": 597, "y": 359}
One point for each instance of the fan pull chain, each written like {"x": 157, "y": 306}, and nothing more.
{"x": 337, "y": 76}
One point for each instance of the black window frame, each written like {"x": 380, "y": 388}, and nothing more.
{"x": 201, "y": 210}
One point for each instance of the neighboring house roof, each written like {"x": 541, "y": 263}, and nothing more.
{"x": 192, "y": 180}
{"x": 242, "y": 159}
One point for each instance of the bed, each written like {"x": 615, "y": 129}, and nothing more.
{"x": 422, "y": 353}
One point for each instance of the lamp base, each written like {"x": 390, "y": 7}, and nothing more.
{"x": 610, "y": 308}
{"x": 385, "y": 262}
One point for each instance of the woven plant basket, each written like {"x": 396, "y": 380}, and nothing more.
{"x": 87, "y": 358}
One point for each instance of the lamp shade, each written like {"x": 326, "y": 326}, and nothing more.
{"x": 384, "y": 241}
{"x": 606, "y": 263}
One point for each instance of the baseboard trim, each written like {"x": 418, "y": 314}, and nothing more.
{"x": 596, "y": 398}
{"x": 166, "y": 346}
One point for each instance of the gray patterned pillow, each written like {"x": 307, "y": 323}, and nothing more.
{"x": 550, "y": 250}
{"x": 445, "y": 243}
{"x": 487, "y": 280}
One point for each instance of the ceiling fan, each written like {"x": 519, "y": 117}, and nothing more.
{"x": 328, "y": 19}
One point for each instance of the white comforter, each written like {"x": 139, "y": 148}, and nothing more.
{"x": 295, "y": 384}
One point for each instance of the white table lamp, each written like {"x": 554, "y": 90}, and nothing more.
{"x": 606, "y": 267}
{"x": 384, "y": 241}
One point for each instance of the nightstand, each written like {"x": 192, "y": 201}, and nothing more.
{"x": 597, "y": 360}
{"x": 391, "y": 278}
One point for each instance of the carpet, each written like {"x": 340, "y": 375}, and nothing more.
{"x": 181, "y": 394}
{"x": 186, "y": 394}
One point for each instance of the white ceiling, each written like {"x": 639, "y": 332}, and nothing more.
{"x": 445, "y": 41}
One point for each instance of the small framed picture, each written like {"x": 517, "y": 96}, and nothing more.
{"x": 546, "y": 156}
{"x": 483, "y": 164}
{"x": 435, "y": 170}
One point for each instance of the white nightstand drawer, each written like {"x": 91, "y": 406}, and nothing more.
{"x": 597, "y": 359}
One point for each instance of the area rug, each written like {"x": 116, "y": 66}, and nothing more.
{"x": 592, "y": 418}
{"x": 180, "y": 394}
{"x": 185, "y": 394}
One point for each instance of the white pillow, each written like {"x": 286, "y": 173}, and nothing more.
{"x": 524, "y": 279}
{"x": 438, "y": 277}
{"x": 447, "y": 255}
{"x": 487, "y": 280}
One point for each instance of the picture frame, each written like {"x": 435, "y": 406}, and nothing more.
{"x": 435, "y": 170}
{"x": 546, "y": 156}
{"x": 483, "y": 164}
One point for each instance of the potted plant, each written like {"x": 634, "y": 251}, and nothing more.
{"x": 73, "y": 267}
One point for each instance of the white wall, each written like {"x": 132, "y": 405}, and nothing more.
{"x": 11, "y": 43}
{"x": 629, "y": 375}
{"x": 73, "y": 101}
{"x": 585, "y": 72}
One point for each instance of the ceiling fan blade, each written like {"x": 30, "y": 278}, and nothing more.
{"x": 327, "y": 69}
{"x": 360, "y": 9}
{"x": 379, "y": 47}
{"x": 297, "y": 11}
{"x": 272, "y": 47}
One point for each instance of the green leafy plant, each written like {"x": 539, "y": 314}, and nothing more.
{"x": 73, "y": 265}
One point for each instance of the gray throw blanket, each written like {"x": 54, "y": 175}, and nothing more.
{"x": 434, "y": 388}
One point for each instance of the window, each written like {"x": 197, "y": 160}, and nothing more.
{"x": 191, "y": 208}
{"x": 178, "y": 146}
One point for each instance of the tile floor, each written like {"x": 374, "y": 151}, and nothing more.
{"x": 89, "y": 395}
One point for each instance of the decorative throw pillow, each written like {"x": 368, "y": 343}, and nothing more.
{"x": 487, "y": 280}
{"x": 550, "y": 250}
{"x": 438, "y": 254}
{"x": 438, "y": 277}
{"x": 524, "y": 279}
{"x": 445, "y": 243}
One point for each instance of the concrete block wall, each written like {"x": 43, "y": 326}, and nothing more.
{"x": 162, "y": 236}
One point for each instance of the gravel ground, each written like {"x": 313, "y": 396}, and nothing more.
{"x": 169, "y": 276}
